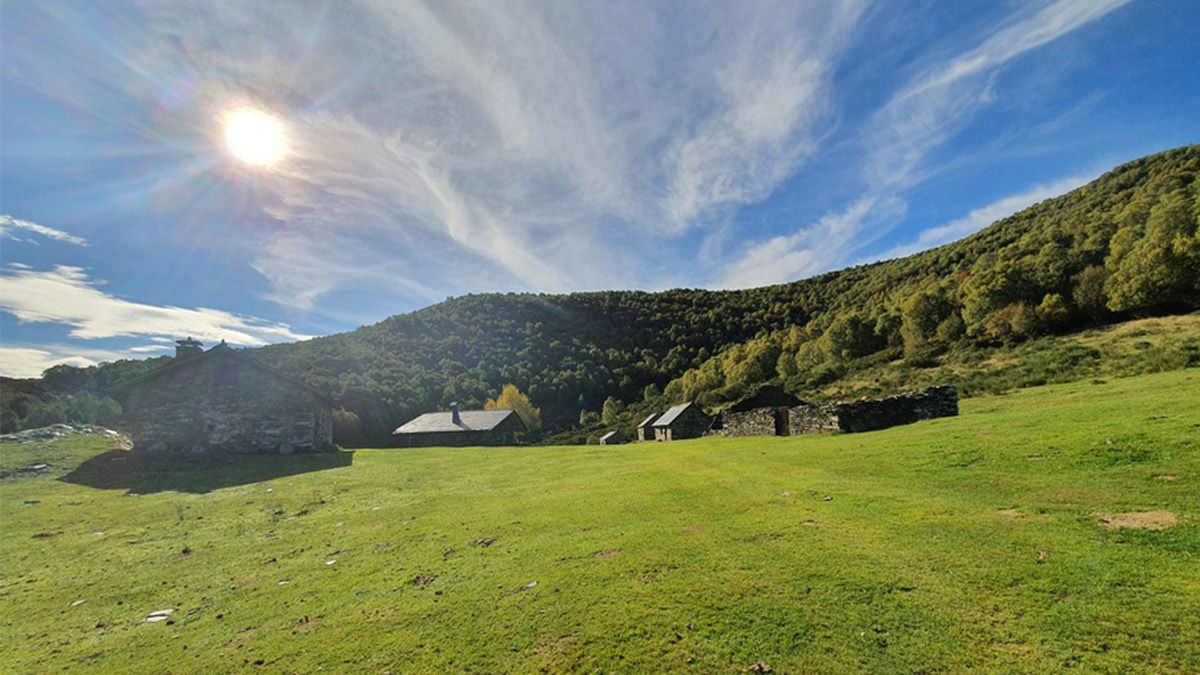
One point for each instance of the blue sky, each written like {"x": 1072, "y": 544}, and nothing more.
{"x": 435, "y": 149}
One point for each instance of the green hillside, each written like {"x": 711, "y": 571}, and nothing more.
{"x": 1022, "y": 536}
{"x": 1125, "y": 246}
{"x": 1127, "y": 243}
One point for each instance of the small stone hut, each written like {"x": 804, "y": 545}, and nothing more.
{"x": 460, "y": 428}
{"x": 645, "y": 430}
{"x": 612, "y": 438}
{"x": 680, "y": 422}
{"x": 222, "y": 400}
{"x": 763, "y": 413}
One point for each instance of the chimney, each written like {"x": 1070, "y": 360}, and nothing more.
{"x": 454, "y": 414}
{"x": 188, "y": 347}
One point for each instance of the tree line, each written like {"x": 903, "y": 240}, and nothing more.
{"x": 1124, "y": 245}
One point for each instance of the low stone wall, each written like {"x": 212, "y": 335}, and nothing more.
{"x": 758, "y": 422}
{"x": 813, "y": 419}
{"x": 874, "y": 414}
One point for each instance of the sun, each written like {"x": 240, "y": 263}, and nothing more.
{"x": 255, "y": 137}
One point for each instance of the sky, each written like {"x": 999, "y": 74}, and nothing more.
{"x": 432, "y": 149}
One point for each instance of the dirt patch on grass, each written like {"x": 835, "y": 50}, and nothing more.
{"x": 1167, "y": 478}
{"x": 1139, "y": 520}
{"x": 607, "y": 553}
{"x": 1011, "y": 513}
{"x": 694, "y": 529}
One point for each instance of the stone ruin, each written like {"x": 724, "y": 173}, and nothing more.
{"x": 853, "y": 416}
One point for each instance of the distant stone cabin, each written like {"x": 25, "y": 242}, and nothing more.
{"x": 224, "y": 401}
{"x": 645, "y": 430}
{"x": 680, "y": 422}
{"x": 457, "y": 429}
{"x": 612, "y": 438}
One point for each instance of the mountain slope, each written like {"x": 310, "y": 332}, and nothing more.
{"x": 1126, "y": 243}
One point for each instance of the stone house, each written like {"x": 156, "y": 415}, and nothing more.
{"x": 645, "y": 430}
{"x": 456, "y": 429}
{"x": 612, "y": 438}
{"x": 763, "y": 413}
{"x": 680, "y": 422}
{"x": 222, "y": 400}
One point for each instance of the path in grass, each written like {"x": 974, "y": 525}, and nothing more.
{"x": 978, "y": 541}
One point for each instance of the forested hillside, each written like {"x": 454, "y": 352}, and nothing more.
{"x": 1125, "y": 245}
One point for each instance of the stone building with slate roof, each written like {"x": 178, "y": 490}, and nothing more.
{"x": 766, "y": 412}
{"x": 681, "y": 421}
{"x": 612, "y": 438}
{"x": 224, "y": 401}
{"x": 645, "y": 430}
{"x": 455, "y": 428}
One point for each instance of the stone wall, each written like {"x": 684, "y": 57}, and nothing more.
{"x": 813, "y": 419}
{"x": 758, "y": 422}
{"x": 224, "y": 403}
{"x": 873, "y": 414}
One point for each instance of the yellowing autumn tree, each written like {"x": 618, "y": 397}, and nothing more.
{"x": 511, "y": 398}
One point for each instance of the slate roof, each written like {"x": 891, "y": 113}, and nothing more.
{"x": 443, "y": 422}
{"x": 224, "y": 351}
{"x": 611, "y": 434}
{"x": 672, "y": 413}
{"x": 647, "y": 422}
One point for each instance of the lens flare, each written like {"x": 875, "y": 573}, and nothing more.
{"x": 255, "y": 137}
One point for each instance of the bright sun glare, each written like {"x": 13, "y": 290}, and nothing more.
{"x": 254, "y": 137}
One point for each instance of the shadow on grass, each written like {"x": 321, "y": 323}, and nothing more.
{"x": 143, "y": 474}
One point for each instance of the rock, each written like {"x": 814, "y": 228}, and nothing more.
{"x": 485, "y": 542}
{"x": 759, "y": 667}
{"x": 532, "y": 584}
{"x": 78, "y": 603}
{"x": 329, "y": 562}
{"x": 160, "y": 615}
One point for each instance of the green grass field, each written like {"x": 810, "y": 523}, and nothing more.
{"x": 976, "y": 542}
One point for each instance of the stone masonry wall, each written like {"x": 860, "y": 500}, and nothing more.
{"x": 757, "y": 422}
{"x": 873, "y": 414}
{"x": 225, "y": 406}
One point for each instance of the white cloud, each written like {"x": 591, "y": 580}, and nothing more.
{"x": 982, "y": 217}
{"x": 920, "y": 116}
{"x": 476, "y": 146}
{"x": 819, "y": 248}
{"x": 65, "y": 295}
{"x": 936, "y": 105}
{"x": 29, "y": 361}
{"x": 9, "y": 224}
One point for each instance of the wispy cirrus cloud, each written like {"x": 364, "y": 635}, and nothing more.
{"x": 813, "y": 249}
{"x": 469, "y": 146}
{"x": 67, "y": 296}
{"x": 981, "y": 217}
{"x": 936, "y": 105}
{"x": 9, "y": 226}
{"x": 921, "y": 115}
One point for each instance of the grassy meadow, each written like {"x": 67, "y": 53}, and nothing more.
{"x": 1054, "y": 527}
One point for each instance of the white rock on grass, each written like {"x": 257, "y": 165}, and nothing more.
{"x": 160, "y": 615}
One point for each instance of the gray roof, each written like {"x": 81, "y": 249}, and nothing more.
{"x": 611, "y": 434}
{"x": 442, "y": 422}
{"x": 672, "y": 412}
{"x": 646, "y": 422}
